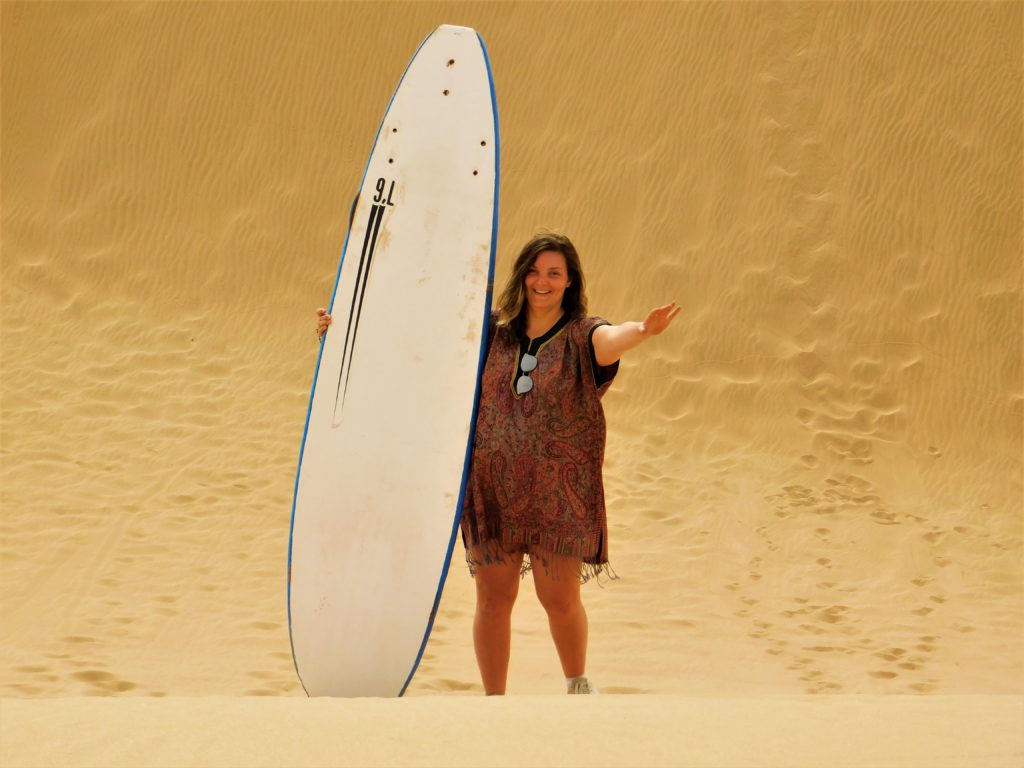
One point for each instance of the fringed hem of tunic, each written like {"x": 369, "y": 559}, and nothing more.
{"x": 539, "y": 548}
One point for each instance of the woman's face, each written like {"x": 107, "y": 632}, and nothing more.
{"x": 546, "y": 281}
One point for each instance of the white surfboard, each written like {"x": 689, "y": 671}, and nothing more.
{"x": 385, "y": 452}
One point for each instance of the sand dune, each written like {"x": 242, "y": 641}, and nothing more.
{"x": 814, "y": 483}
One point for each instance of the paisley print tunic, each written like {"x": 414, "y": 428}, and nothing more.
{"x": 535, "y": 482}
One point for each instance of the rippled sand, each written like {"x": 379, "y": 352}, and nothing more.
{"x": 814, "y": 480}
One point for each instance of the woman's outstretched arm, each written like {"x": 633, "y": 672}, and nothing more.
{"x": 612, "y": 341}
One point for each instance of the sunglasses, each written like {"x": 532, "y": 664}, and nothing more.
{"x": 524, "y": 383}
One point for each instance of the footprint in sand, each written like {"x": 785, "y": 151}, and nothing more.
{"x": 103, "y": 682}
{"x": 891, "y": 654}
{"x": 447, "y": 684}
{"x": 810, "y": 629}
{"x": 832, "y": 614}
{"x": 267, "y": 626}
{"x": 78, "y": 639}
{"x": 26, "y": 689}
{"x": 934, "y": 535}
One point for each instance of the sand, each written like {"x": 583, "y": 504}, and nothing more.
{"x": 766, "y": 732}
{"x": 815, "y": 479}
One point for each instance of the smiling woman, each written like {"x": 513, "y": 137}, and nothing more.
{"x": 535, "y": 485}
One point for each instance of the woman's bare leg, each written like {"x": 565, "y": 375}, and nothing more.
{"x": 496, "y": 589}
{"x": 558, "y": 587}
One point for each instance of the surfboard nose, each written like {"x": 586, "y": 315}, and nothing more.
{"x": 456, "y": 30}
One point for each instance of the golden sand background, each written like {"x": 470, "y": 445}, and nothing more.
{"x": 814, "y": 480}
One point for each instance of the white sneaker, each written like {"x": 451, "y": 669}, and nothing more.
{"x": 581, "y": 685}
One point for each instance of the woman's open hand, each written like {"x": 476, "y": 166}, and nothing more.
{"x": 659, "y": 319}
{"x": 322, "y": 321}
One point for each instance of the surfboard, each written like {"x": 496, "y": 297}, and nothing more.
{"x": 385, "y": 451}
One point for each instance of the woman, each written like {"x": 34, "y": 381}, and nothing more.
{"x": 535, "y": 485}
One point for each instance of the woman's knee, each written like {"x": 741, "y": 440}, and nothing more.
{"x": 496, "y": 588}
{"x": 560, "y": 603}
{"x": 559, "y": 589}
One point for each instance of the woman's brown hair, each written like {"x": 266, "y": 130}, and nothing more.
{"x": 512, "y": 301}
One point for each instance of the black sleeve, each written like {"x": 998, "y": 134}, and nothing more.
{"x": 602, "y": 373}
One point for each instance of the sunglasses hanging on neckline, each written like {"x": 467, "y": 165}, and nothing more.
{"x": 524, "y": 383}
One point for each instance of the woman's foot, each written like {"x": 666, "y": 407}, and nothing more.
{"x": 580, "y": 685}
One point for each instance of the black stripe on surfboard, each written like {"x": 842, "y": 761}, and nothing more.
{"x": 352, "y": 309}
{"x": 359, "y": 311}
{"x": 362, "y": 277}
